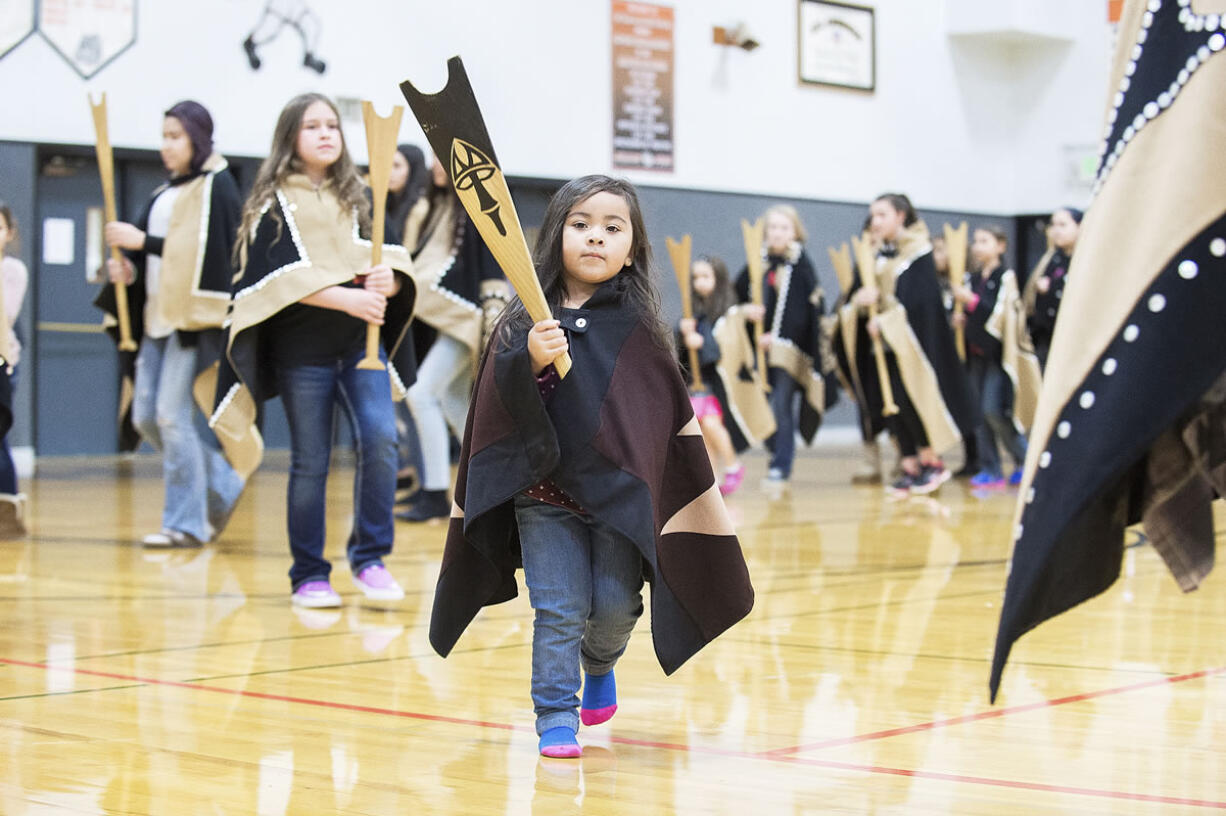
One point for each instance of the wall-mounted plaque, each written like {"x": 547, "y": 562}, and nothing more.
{"x": 837, "y": 44}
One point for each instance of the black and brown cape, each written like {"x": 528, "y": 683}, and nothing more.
{"x": 1131, "y": 422}
{"x": 619, "y": 436}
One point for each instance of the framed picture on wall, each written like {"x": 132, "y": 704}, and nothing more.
{"x": 836, "y": 44}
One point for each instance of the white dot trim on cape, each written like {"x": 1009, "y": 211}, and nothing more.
{"x": 1109, "y": 154}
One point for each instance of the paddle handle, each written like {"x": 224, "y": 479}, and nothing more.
{"x": 680, "y": 252}
{"x": 955, "y": 252}
{"x": 106, "y": 171}
{"x": 381, "y": 133}
{"x": 752, "y": 234}
{"x": 867, "y": 259}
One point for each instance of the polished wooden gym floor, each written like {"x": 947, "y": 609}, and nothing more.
{"x": 140, "y": 682}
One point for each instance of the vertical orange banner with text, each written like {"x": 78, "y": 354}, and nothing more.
{"x": 642, "y": 86}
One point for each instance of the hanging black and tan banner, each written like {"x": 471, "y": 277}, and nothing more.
{"x": 642, "y": 86}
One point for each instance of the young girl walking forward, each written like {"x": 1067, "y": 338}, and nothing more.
{"x": 732, "y": 412}
{"x": 1003, "y": 368}
{"x": 177, "y": 270}
{"x": 797, "y": 349}
{"x": 596, "y": 481}
{"x": 298, "y": 319}
{"x": 14, "y": 278}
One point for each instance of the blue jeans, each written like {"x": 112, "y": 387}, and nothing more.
{"x": 585, "y": 582}
{"x": 310, "y": 394}
{"x": 784, "y": 406}
{"x": 995, "y": 392}
{"x": 201, "y": 487}
{"x": 440, "y": 398}
{"x": 8, "y": 471}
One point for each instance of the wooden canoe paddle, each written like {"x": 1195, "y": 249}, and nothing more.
{"x": 752, "y": 233}
{"x": 381, "y": 133}
{"x": 452, "y": 122}
{"x": 866, "y": 260}
{"x": 679, "y": 252}
{"x": 955, "y": 251}
{"x": 106, "y": 169}
{"x": 840, "y": 259}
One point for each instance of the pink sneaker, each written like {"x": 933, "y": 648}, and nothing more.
{"x": 377, "y": 584}
{"x": 316, "y": 595}
{"x": 732, "y": 479}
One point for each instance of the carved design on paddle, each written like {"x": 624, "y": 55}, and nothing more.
{"x": 452, "y": 123}
{"x": 471, "y": 168}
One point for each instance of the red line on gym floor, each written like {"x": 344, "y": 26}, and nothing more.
{"x": 1006, "y": 783}
{"x": 766, "y": 756}
{"x": 275, "y": 697}
{"x": 990, "y": 714}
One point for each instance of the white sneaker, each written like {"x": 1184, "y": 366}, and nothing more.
{"x": 160, "y": 539}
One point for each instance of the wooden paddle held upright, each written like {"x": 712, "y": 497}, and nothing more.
{"x": 840, "y": 259}
{"x": 752, "y": 234}
{"x": 381, "y": 133}
{"x": 955, "y": 251}
{"x": 106, "y": 169}
{"x": 456, "y": 131}
{"x": 866, "y": 260}
{"x": 679, "y": 252}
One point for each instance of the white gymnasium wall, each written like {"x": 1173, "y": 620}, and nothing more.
{"x": 970, "y": 123}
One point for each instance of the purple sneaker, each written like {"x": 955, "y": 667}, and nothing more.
{"x": 316, "y": 595}
{"x": 377, "y": 584}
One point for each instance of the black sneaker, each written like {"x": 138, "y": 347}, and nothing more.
{"x": 903, "y": 486}
{"x": 930, "y": 478}
{"x": 430, "y": 505}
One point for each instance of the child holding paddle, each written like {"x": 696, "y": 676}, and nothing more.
{"x": 1003, "y": 368}
{"x": 596, "y": 479}
{"x": 732, "y": 413}
{"x": 300, "y": 308}
{"x": 796, "y": 346}
{"x": 177, "y": 270}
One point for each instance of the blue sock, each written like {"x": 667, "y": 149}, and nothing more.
{"x": 599, "y": 698}
{"x": 559, "y": 742}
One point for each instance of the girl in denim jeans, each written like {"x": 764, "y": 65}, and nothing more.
{"x": 177, "y": 270}
{"x": 596, "y": 480}
{"x": 299, "y": 310}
